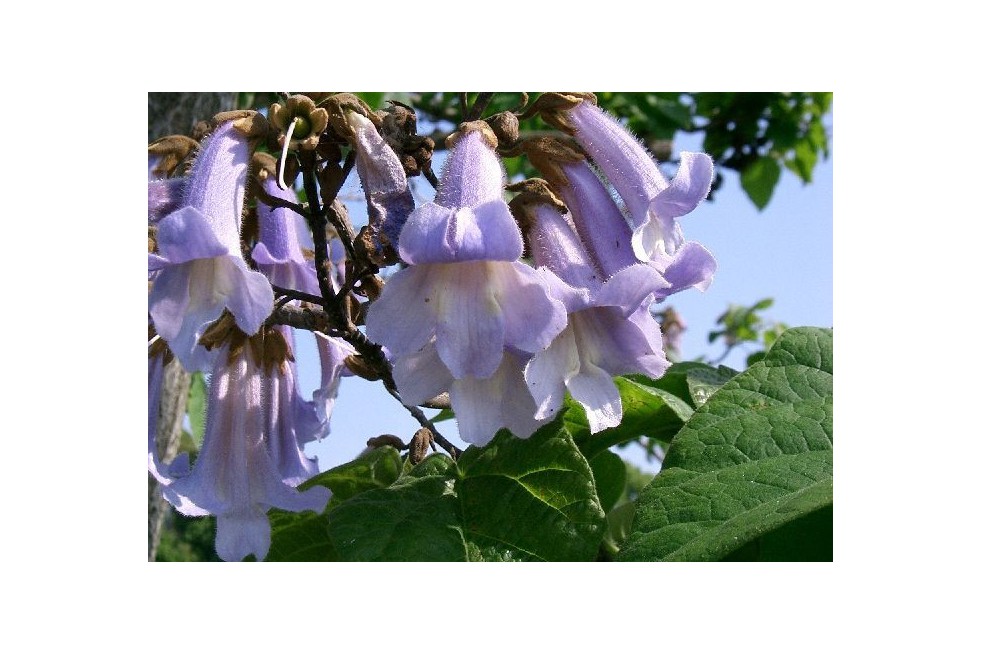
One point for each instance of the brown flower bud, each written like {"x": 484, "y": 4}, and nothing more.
{"x": 505, "y": 127}
{"x": 419, "y": 445}
{"x": 170, "y": 151}
{"x": 552, "y": 107}
{"x": 357, "y": 365}
{"x": 386, "y": 440}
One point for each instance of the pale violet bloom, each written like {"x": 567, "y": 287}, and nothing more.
{"x": 465, "y": 286}
{"x": 201, "y": 269}
{"x": 250, "y": 460}
{"x": 653, "y": 202}
{"x": 608, "y": 238}
{"x": 466, "y": 307}
{"x": 383, "y": 179}
{"x": 609, "y": 333}
{"x": 282, "y": 235}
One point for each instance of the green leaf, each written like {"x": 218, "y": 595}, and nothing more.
{"x": 378, "y": 468}
{"x": 197, "y": 407}
{"x": 299, "y": 538}
{"x": 755, "y": 457}
{"x": 373, "y": 99}
{"x": 648, "y": 411}
{"x": 303, "y": 537}
{"x": 610, "y": 475}
{"x": 515, "y": 499}
{"x": 619, "y": 522}
{"x": 692, "y": 382}
{"x": 759, "y": 179}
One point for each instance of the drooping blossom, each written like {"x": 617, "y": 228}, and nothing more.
{"x": 283, "y": 234}
{"x": 652, "y": 201}
{"x": 383, "y": 179}
{"x": 250, "y": 459}
{"x": 201, "y": 269}
{"x": 610, "y": 331}
{"x": 465, "y": 290}
{"x": 602, "y": 227}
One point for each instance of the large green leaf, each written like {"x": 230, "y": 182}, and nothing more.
{"x": 756, "y": 457}
{"x": 515, "y": 499}
{"x": 648, "y": 411}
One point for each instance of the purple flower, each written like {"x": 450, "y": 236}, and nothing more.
{"x": 466, "y": 308}
{"x": 279, "y": 253}
{"x": 603, "y": 229}
{"x": 250, "y": 460}
{"x": 200, "y": 260}
{"x": 653, "y": 202}
{"x": 466, "y": 286}
{"x": 383, "y": 179}
{"x": 609, "y": 333}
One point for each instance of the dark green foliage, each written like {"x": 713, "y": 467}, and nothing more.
{"x": 752, "y": 465}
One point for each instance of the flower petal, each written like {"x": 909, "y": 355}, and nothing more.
{"x": 187, "y": 234}
{"x": 470, "y": 330}
{"x": 532, "y": 317}
{"x": 593, "y": 388}
{"x": 547, "y": 372}
{"x": 688, "y": 188}
{"x": 403, "y": 318}
{"x": 421, "y": 376}
{"x": 692, "y": 266}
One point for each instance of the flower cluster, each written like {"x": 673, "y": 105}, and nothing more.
{"x": 502, "y": 304}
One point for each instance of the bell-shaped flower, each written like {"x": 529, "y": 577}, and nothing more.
{"x": 465, "y": 285}
{"x": 202, "y": 271}
{"x": 282, "y": 235}
{"x": 383, "y": 179}
{"x": 610, "y": 331}
{"x": 601, "y": 225}
{"x": 652, "y": 201}
{"x": 250, "y": 460}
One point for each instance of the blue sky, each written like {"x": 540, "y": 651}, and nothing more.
{"x": 783, "y": 252}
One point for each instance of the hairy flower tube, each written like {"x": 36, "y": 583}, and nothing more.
{"x": 201, "y": 269}
{"x": 250, "y": 460}
{"x": 383, "y": 179}
{"x": 610, "y": 331}
{"x": 652, "y": 201}
{"x": 282, "y": 235}
{"x": 601, "y": 226}
{"x": 465, "y": 290}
